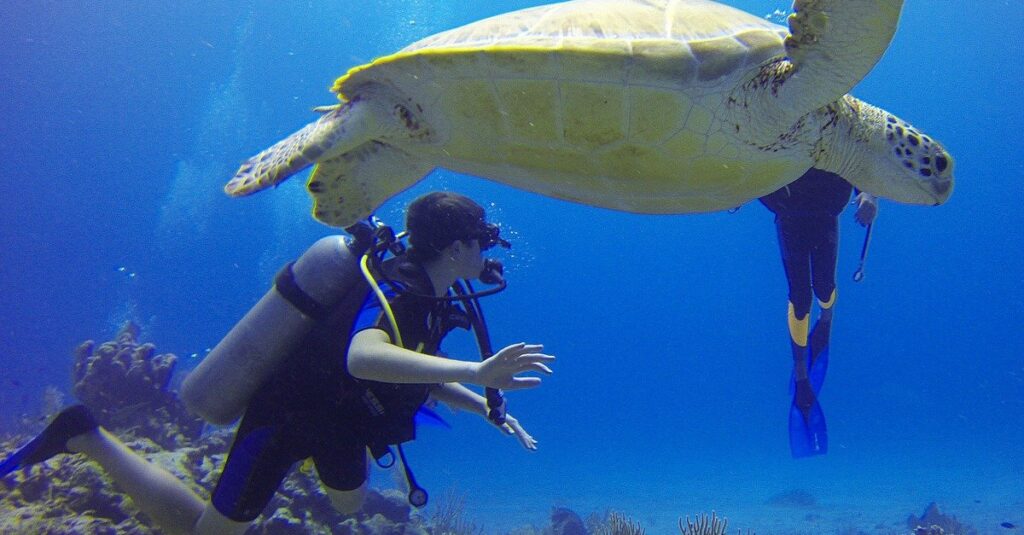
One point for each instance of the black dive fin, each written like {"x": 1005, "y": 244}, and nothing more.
{"x": 53, "y": 440}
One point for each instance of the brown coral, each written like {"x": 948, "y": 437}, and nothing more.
{"x": 124, "y": 384}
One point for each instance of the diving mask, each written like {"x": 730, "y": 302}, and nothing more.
{"x": 489, "y": 235}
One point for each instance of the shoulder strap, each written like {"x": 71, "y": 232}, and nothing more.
{"x": 287, "y": 287}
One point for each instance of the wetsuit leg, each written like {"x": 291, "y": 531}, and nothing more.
{"x": 834, "y": 195}
{"x": 340, "y": 457}
{"x": 259, "y": 460}
{"x": 796, "y": 261}
{"x": 345, "y": 469}
{"x": 823, "y": 274}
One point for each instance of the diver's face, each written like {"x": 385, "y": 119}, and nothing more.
{"x": 469, "y": 260}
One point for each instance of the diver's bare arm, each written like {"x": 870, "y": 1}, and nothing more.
{"x": 458, "y": 396}
{"x": 372, "y": 356}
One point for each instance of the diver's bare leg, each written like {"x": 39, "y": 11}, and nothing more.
{"x": 156, "y": 492}
{"x": 347, "y": 502}
{"x": 212, "y": 522}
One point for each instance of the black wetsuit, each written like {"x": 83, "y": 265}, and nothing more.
{"x": 807, "y": 219}
{"x": 314, "y": 408}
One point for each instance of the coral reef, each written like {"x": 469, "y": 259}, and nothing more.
{"x": 566, "y": 522}
{"x": 449, "y": 516}
{"x": 934, "y": 522}
{"x": 614, "y": 523}
{"x": 66, "y": 494}
{"x": 124, "y": 384}
{"x": 69, "y": 494}
{"x": 705, "y": 525}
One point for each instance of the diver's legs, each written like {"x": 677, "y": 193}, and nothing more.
{"x": 347, "y": 502}
{"x": 796, "y": 262}
{"x": 166, "y": 499}
{"x": 343, "y": 468}
{"x": 824, "y": 256}
{"x": 822, "y": 331}
{"x": 798, "y": 327}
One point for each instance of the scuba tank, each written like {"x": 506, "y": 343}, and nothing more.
{"x": 221, "y": 386}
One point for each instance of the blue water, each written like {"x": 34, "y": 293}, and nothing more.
{"x": 120, "y": 122}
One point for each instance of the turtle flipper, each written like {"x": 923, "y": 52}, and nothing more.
{"x": 833, "y": 44}
{"x": 337, "y": 131}
{"x": 349, "y": 187}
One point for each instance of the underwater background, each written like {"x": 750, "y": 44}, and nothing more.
{"x": 121, "y": 121}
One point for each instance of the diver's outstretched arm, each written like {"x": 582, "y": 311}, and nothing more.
{"x": 372, "y": 356}
{"x": 458, "y": 396}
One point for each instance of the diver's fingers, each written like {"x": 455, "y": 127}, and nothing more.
{"x": 515, "y": 350}
{"x": 534, "y": 358}
{"x": 533, "y": 367}
{"x": 520, "y": 383}
{"x": 525, "y": 439}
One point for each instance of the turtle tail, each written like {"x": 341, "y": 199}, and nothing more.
{"x": 294, "y": 153}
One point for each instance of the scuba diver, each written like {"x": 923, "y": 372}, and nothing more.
{"x": 335, "y": 361}
{"x": 807, "y": 220}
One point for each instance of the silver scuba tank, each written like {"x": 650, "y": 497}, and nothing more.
{"x": 221, "y": 386}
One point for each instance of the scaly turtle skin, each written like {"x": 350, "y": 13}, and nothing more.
{"x": 648, "y": 106}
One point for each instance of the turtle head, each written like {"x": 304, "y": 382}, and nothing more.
{"x": 900, "y": 162}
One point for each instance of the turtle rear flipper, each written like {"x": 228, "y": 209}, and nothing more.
{"x": 349, "y": 187}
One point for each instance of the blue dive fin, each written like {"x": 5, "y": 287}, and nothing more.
{"x": 428, "y": 416}
{"x": 817, "y": 368}
{"x": 808, "y": 434}
{"x": 816, "y": 371}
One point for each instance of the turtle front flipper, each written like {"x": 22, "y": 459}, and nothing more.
{"x": 339, "y": 130}
{"x": 835, "y": 43}
{"x": 832, "y": 45}
{"x": 349, "y": 187}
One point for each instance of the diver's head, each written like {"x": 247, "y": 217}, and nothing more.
{"x": 436, "y": 221}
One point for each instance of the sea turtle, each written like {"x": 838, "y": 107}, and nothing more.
{"x": 647, "y": 106}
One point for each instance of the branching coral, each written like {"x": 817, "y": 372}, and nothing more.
{"x": 612, "y": 523}
{"x": 705, "y": 525}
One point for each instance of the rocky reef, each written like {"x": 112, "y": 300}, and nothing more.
{"x": 125, "y": 386}
{"x": 934, "y": 522}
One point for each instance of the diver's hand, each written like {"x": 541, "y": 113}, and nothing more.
{"x": 512, "y": 427}
{"x": 502, "y": 369}
{"x": 867, "y": 208}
